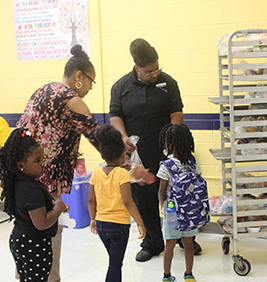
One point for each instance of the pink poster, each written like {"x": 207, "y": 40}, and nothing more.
{"x": 46, "y": 29}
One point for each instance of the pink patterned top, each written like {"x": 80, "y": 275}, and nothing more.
{"x": 58, "y": 130}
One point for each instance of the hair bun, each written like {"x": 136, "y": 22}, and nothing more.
{"x": 143, "y": 53}
{"x": 139, "y": 46}
{"x": 77, "y": 51}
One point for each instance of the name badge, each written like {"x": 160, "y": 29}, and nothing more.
{"x": 162, "y": 86}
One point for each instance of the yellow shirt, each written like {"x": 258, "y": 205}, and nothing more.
{"x": 4, "y": 131}
{"x": 110, "y": 206}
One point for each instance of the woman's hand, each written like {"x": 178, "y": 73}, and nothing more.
{"x": 144, "y": 174}
{"x": 129, "y": 146}
{"x": 139, "y": 172}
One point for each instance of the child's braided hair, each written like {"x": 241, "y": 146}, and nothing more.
{"x": 177, "y": 138}
{"x": 17, "y": 148}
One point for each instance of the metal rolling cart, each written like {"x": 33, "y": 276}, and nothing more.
{"x": 243, "y": 126}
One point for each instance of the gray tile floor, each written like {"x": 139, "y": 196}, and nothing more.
{"x": 84, "y": 259}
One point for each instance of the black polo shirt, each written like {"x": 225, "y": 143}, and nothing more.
{"x": 145, "y": 109}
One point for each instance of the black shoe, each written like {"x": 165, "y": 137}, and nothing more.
{"x": 145, "y": 254}
{"x": 197, "y": 248}
{"x": 179, "y": 242}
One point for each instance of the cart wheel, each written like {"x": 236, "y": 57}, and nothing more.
{"x": 225, "y": 245}
{"x": 244, "y": 270}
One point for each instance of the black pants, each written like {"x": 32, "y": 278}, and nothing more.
{"x": 33, "y": 256}
{"x": 148, "y": 206}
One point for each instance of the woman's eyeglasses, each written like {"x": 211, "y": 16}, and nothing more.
{"x": 149, "y": 73}
{"x": 89, "y": 78}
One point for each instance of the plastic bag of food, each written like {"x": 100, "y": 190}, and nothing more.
{"x": 135, "y": 158}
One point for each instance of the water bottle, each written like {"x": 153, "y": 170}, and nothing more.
{"x": 171, "y": 215}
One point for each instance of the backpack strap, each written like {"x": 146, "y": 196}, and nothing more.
{"x": 193, "y": 164}
{"x": 174, "y": 169}
{"x": 171, "y": 166}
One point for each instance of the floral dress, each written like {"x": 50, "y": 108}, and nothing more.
{"x": 58, "y": 130}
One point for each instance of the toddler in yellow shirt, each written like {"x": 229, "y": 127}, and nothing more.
{"x": 110, "y": 201}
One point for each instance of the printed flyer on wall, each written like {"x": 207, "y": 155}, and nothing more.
{"x": 46, "y": 29}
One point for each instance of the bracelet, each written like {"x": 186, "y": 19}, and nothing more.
{"x": 132, "y": 169}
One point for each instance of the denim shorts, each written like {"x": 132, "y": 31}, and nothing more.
{"x": 173, "y": 233}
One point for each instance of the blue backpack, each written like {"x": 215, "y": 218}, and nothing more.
{"x": 189, "y": 194}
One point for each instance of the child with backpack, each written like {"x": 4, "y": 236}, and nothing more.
{"x": 180, "y": 182}
{"x": 27, "y": 200}
{"x": 111, "y": 202}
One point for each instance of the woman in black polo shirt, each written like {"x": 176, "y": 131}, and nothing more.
{"x": 142, "y": 102}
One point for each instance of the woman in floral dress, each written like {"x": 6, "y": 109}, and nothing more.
{"x": 57, "y": 116}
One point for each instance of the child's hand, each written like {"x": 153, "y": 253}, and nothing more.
{"x": 67, "y": 208}
{"x": 59, "y": 204}
{"x": 93, "y": 226}
{"x": 142, "y": 231}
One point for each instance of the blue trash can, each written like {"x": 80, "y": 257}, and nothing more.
{"x": 78, "y": 200}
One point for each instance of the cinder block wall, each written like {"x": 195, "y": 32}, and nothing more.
{"x": 184, "y": 32}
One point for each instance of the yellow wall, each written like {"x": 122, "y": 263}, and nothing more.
{"x": 184, "y": 33}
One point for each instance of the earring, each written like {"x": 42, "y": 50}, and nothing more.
{"x": 22, "y": 169}
{"x": 78, "y": 85}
